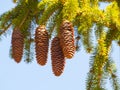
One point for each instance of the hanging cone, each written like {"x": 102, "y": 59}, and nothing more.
{"x": 57, "y": 56}
{"x": 41, "y": 45}
{"x": 17, "y": 45}
{"x": 67, "y": 39}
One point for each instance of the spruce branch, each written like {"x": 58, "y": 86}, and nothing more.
{"x": 52, "y": 24}
{"x": 87, "y": 40}
{"x": 115, "y": 82}
{"x": 5, "y": 29}
{"x": 28, "y": 45}
{"x": 111, "y": 69}
{"x": 23, "y": 20}
{"x": 99, "y": 59}
{"x": 50, "y": 9}
{"x": 70, "y": 10}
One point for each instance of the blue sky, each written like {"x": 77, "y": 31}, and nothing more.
{"x": 32, "y": 76}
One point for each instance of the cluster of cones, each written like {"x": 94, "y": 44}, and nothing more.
{"x": 62, "y": 46}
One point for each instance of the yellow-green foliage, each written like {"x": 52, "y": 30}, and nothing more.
{"x": 49, "y": 10}
{"x": 89, "y": 22}
{"x": 113, "y": 14}
{"x": 70, "y": 9}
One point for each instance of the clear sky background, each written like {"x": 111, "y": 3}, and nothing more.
{"x": 32, "y": 76}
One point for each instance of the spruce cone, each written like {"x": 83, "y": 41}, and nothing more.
{"x": 41, "y": 45}
{"x": 57, "y": 56}
{"x": 67, "y": 39}
{"x": 17, "y": 45}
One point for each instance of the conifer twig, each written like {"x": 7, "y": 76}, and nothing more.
{"x": 5, "y": 29}
{"x": 23, "y": 19}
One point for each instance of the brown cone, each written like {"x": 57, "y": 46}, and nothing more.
{"x": 41, "y": 45}
{"x": 17, "y": 45}
{"x": 67, "y": 39}
{"x": 57, "y": 56}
